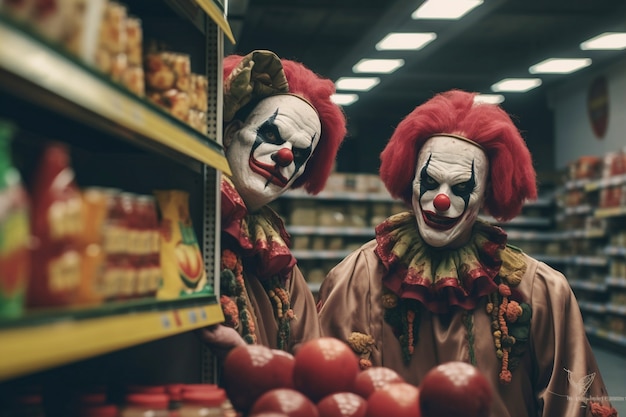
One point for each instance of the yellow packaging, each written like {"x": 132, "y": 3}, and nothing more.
{"x": 182, "y": 263}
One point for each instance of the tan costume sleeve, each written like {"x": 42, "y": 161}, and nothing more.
{"x": 305, "y": 325}
{"x": 566, "y": 366}
{"x": 347, "y": 301}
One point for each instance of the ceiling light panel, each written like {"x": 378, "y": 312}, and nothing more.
{"x": 605, "y": 41}
{"x": 559, "y": 66}
{"x": 356, "y": 83}
{"x": 377, "y": 66}
{"x": 344, "y": 99}
{"x": 516, "y": 85}
{"x": 445, "y": 9}
{"x": 489, "y": 98}
{"x": 405, "y": 41}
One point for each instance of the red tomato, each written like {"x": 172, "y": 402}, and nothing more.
{"x": 286, "y": 361}
{"x": 374, "y": 378}
{"x": 395, "y": 399}
{"x": 324, "y": 366}
{"x": 342, "y": 404}
{"x": 290, "y": 402}
{"x": 252, "y": 370}
{"x": 455, "y": 389}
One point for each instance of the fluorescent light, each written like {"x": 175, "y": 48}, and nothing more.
{"x": 559, "y": 65}
{"x": 489, "y": 98}
{"x": 405, "y": 41}
{"x": 356, "y": 83}
{"x": 606, "y": 41}
{"x": 445, "y": 9}
{"x": 516, "y": 85}
{"x": 380, "y": 66}
{"x": 344, "y": 99}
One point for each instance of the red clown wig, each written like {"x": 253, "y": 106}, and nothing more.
{"x": 317, "y": 91}
{"x": 511, "y": 174}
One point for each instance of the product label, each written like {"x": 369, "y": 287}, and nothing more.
{"x": 64, "y": 218}
{"x": 64, "y": 272}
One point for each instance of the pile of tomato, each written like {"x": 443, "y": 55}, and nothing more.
{"x": 323, "y": 379}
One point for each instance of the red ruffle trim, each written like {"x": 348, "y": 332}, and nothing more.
{"x": 267, "y": 257}
{"x": 599, "y": 410}
{"x": 475, "y": 278}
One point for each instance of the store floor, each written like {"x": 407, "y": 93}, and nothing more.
{"x": 613, "y": 369}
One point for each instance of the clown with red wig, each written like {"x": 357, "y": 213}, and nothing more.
{"x": 438, "y": 284}
{"x": 282, "y": 131}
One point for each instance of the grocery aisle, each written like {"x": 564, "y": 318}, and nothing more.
{"x": 613, "y": 369}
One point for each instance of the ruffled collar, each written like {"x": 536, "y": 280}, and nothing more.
{"x": 260, "y": 238}
{"x": 439, "y": 278}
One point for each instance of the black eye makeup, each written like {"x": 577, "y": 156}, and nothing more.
{"x": 268, "y": 132}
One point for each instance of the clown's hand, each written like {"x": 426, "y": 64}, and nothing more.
{"x": 220, "y": 339}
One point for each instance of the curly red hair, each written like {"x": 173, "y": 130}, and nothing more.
{"x": 512, "y": 178}
{"x": 317, "y": 90}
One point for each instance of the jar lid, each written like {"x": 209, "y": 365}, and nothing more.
{"x": 148, "y": 389}
{"x": 175, "y": 391}
{"x": 213, "y": 397}
{"x": 160, "y": 401}
{"x": 102, "y": 410}
{"x": 199, "y": 387}
{"x": 95, "y": 398}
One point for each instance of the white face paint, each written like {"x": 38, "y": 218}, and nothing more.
{"x": 448, "y": 190}
{"x": 270, "y": 149}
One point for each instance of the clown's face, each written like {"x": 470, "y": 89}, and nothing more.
{"x": 448, "y": 190}
{"x": 269, "y": 150}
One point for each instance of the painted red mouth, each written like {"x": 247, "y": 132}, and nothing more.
{"x": 269, "y": 172}
{"x": 439, "y": 222}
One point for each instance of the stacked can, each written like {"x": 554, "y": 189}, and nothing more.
{"x": 168, "y": 79}
{"x": 198, "y": 94}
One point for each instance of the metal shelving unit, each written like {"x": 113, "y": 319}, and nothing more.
{"x": 44, "y": 77}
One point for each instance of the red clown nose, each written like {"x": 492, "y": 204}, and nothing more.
{"x": 283, "y": 157}
{"x": 442, "y": 202}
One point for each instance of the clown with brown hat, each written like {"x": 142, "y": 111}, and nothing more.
{"x": 282, "y": 131}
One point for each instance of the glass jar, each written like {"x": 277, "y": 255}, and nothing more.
{"x": 145, "y": 405}
{"x": 203, "y": 403}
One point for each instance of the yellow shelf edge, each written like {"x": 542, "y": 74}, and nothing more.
{"x": 218, "y": 17}
{"x": 44, "y": 67}
{"x": 36, "y": 348}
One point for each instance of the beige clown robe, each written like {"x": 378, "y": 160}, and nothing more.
{"x": 409, "y": 307}
{"x": 263, "y": 293}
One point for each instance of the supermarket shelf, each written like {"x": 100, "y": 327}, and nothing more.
{"x": 216, "y": 12}
{"x": 535, "y": 235}
{"x": 616, "y": 281}
{"x": 341, "y": 196}
{"x": 540, "y": 202}
{"x": 314, "y": 286}
{"x": 551, "y": 259}
{"x": 614, "y": 337}
{"x": 602, "y": 213}
{"x": 592, "y": 307}
{"x": 36, "y": 347}
{"x": 520, "y": 221}
{"x": 320, "y": 254}
{"x": 579, "y": 183}
{"x": 575, "y": 210}
{"x": 615, "y": 250}
{"x": 50, "y": 72}
{"x": 587, "y": 285}
{"x": 331, "y": 231}
{"x": 616, "y": 309}
{"x": 613, "y": 181}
